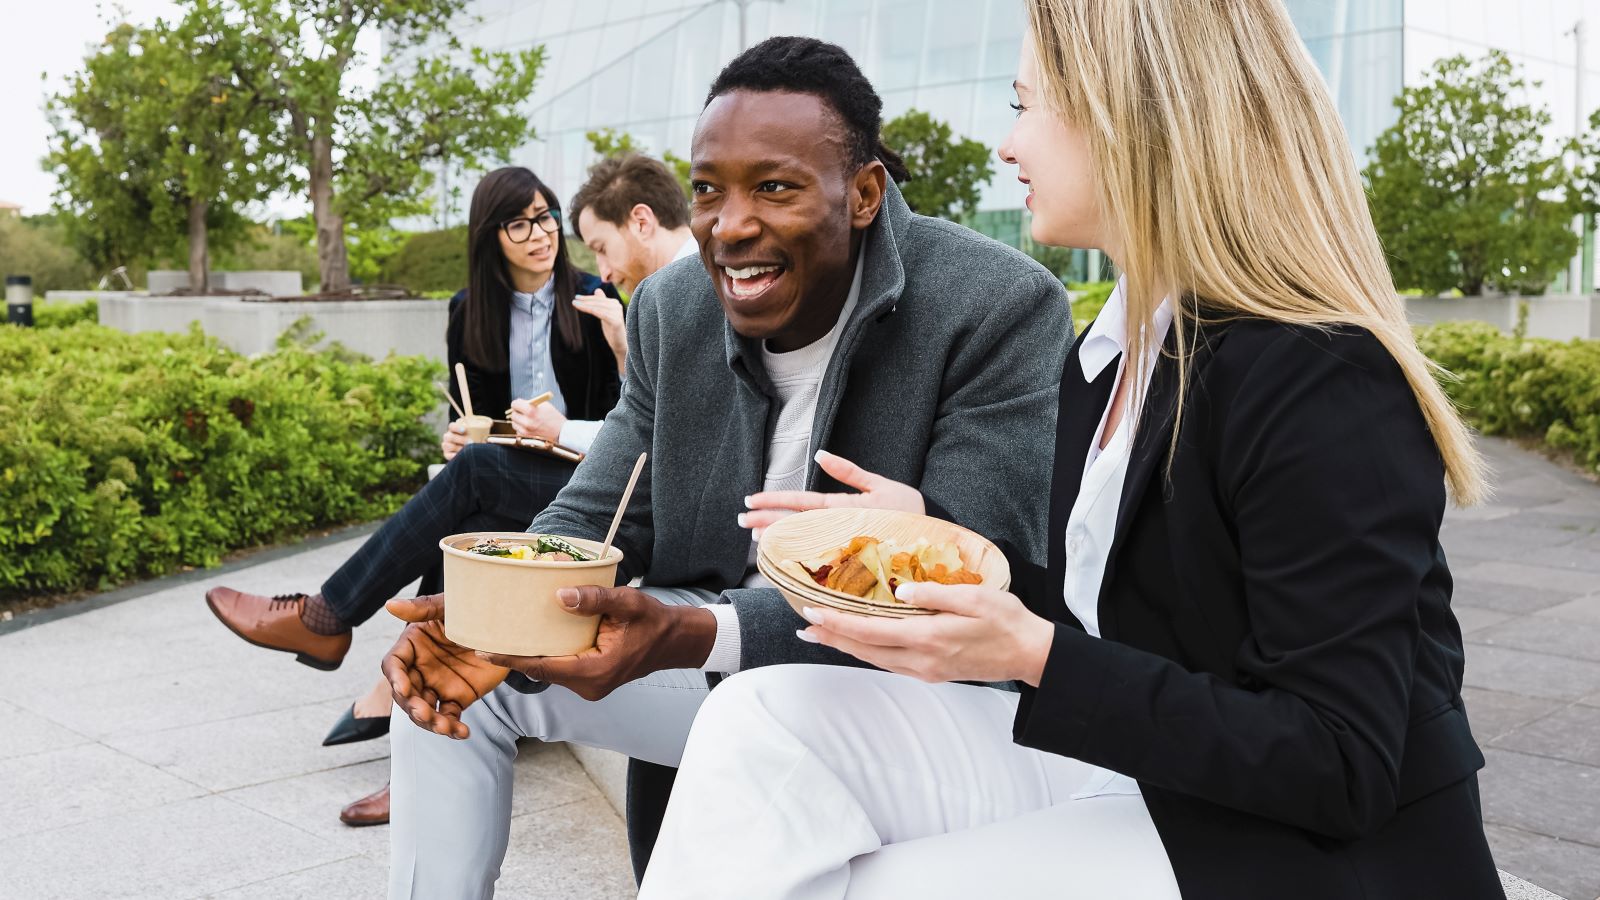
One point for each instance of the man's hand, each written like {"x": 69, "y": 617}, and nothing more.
{"x": 537, "y": 420}
{"x": 433, "y": 678}
{"x": 638, "y": 635}
{"x": 609, "y": 312}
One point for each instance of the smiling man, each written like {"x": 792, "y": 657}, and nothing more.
{"x": 821, "y": 315}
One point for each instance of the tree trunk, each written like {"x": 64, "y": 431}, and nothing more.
{"x": 199, "y": 263}
{"x": 332, "y": 259}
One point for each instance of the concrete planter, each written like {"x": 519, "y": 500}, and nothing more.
{"x": 275, "y": 282}
{"x": 81, "y": 296}
{"x": 136, "y": 313}
{"x": 1560, "y": 317}
{"x": 374, "y": 327}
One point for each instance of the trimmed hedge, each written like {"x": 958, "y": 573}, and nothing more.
{"x": 64, "y": 315}
{"x": 430, "y": 261}
{"x": 1523, "y": 387}
{"x": 124, "y": 456}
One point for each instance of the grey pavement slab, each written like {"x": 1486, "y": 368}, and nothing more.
{"x": 183, "y": 849}
{"x": 1530, "y": 673}
{"x": 1518, "y": 599}
{"x": 1583, "y": 609}
{"x": 1473, "y": 619}
{"x": 26, "y": 733}
{"x": 1493, "y": 713}
{"x": 1557, "y": 637}
{"x": 1546, "y": 796}
{"x": 82, "y": 783}
{"x": 1571, "y": 733}
{"x": 355, "y": 876}
{"x": 1570, "y": 869}
{"x": 246, "y": 750}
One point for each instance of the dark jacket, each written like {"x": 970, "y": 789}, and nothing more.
{"x": 1281, "y": 670}
{"x": 588, "y": 377}
{"x": 944, "y": 377}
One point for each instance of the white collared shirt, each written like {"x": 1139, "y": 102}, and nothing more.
{"x": 691, "y": 247}
{"x": 1092, "y": 525}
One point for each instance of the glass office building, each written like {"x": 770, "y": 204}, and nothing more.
{"x": 643, "y": 66}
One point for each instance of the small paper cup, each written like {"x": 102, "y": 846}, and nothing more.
{"x": 502, "y": 605}
{"x": 478, "y": 429}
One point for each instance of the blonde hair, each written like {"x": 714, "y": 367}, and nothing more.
{"x": 1227, "y": 180}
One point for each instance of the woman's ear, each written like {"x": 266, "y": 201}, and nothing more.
{"x": 866, "y": 194}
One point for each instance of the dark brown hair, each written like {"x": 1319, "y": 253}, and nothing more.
{"x": 486, "y": 313}
{"x": 618, "y": 184}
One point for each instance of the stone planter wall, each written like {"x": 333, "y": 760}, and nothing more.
{"x": 374, "y": 327}
{"x": 276, "y": 282}
{"x": 1560, "y": 317}
{"x": 81, "y": 296}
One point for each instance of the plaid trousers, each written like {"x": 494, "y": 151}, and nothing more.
{"x": 486, "y": 487}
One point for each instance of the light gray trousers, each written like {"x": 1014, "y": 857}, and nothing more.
{"x": 451, "y": 800}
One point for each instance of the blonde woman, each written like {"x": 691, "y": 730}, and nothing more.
{"x": 1241, "y": 674}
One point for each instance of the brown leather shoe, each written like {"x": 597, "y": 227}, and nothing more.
{"x": 274, "y": 623}
{"x": 373, "y": 809}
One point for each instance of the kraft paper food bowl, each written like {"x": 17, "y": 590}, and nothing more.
{"x": 501, "y": 605}
{"x": 478, "y": 428}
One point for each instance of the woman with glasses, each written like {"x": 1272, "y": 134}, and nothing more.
{"x": 520, "y": 330}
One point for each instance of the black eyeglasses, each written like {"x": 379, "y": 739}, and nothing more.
{"x": 520, "y": 230}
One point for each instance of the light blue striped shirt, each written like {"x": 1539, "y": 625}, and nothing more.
{"x": 532, "y": 373}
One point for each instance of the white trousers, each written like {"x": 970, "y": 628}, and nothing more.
{"x": 827, "y": 782}
{"x": 451, "y": 800}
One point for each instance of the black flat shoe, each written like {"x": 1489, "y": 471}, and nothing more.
{"x": 353, "y": 729}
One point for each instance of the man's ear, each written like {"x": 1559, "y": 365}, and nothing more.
{"x": 866, "y": 194}
{"x": 642, "y": 219}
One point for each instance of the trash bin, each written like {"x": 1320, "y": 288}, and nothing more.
{"x": 19, "y": 299}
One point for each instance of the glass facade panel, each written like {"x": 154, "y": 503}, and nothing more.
{"x": 643, "y": 66}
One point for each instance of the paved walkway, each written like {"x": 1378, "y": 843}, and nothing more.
{"x": 146, "y": 752}
{"x": 1527, "y": 569}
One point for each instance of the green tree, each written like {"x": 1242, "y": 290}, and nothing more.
{"x": 368, "y": 155}
{"x": 38, "y": 247}
{"x": 608, "y": 142}
{"x": 156, "y": 143}
{"x": 946, "y": 172}
{"x": 1464, "y": 190}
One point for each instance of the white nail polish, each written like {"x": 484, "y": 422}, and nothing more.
{"x": 812, "y": 614}
{"x": 747, "y": 504}
{"x": 807, "y": 636}
{"x": 741, "y": 521}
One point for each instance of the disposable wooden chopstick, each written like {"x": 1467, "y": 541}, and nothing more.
{"x": 542, "y": 398}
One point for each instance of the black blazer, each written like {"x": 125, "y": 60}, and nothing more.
{"x": 588, "y": 377}
{"x": 1281, "y": 671}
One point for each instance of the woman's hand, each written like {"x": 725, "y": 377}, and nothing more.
{"x": 877, "y": 492}
{"x": 540, "y": 421}
{"x": 980, "y": 634}
{"x": 455, "y": 437}
{"x": 609, "y": 311}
